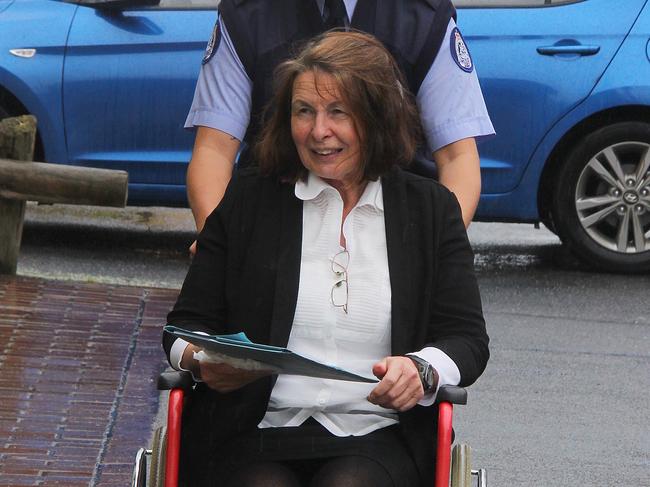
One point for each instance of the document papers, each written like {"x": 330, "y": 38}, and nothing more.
{"x": 281, "y": 360}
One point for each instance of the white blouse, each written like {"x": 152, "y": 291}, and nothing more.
{"x": 323, "y": 331}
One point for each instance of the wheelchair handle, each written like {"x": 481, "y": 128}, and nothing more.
{"x": 175, "y": 379}
{"x": 451, "y": 394}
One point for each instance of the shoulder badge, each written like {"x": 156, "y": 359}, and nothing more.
{"x": 213, "y": 44}
{"x": 460, "y": 52}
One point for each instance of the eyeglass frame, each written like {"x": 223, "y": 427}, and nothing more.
{"x": 344, "y": 280}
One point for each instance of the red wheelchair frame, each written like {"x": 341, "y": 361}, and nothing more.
{"x": 178, "y": 383}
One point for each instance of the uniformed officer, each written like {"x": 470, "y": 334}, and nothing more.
{"x": 250, "y": 38}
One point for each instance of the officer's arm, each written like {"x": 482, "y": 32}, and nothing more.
{"x": 459, "y": 170}
{"x": 209, "y": 171}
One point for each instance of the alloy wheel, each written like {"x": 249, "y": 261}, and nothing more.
{"x": 612, "y": 197}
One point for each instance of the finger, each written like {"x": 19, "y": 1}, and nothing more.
{"x": 413, "y": 391}
{"x": 393, "y": 398}
{"x": 409, "y": 399}
{"x": 379, "y": 369}
{"x": 390, "y": 388}
{"x": 391, "y": 378}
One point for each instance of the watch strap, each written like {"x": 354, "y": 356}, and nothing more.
{"x": 427, "y": 373}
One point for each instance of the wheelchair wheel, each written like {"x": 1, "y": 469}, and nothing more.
{"x": 461, "y": 466}
{"x": 156, "y": 477}
{"x": 139, "y": 477}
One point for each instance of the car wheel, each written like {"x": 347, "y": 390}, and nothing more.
{"x": 601, "y": 206}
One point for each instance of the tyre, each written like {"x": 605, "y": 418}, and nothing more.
{"x": 156, "y": 474}
{"x": 601, "y": 203}
{"x": 461, "y": 466}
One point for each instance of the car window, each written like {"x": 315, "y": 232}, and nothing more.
{"x": 511, "y": 3}
{"x": 162, "y": 5}
{"x": 188, "y": 4}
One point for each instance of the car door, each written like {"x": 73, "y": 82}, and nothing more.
{"x": 536, "y": 59}
{"x": 129, "y": 79}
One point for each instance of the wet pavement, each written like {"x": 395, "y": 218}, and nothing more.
{"x": 77, "y": 369}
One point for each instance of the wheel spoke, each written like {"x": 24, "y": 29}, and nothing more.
{"x": 604, "y": 173}
{"x": 623, "y": 231}
{"x": 614, "y": 163}
{"x": 588, "y": 203}
{"x": 639, "y": 235}
{"x": 643, "y": 169}
{"x": 598, "y": 216}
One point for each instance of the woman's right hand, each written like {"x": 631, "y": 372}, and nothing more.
{"x": 220, "y": 377}
{"x": 224, "y": 378}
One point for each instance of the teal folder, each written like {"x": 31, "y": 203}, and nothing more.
{"x": 282, "y": 360}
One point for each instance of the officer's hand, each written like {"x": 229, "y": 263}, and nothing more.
{"x": 400, "y": 387}
{"x": 193, "y": 249}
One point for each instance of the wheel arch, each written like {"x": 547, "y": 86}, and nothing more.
{"x": 595, "y": 121}
{"x": 13, "y": 106}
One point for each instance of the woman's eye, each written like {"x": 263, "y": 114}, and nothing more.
{"x": 303, "y": 111}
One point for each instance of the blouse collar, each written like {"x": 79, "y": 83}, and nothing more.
{"x": 314, "y": 186}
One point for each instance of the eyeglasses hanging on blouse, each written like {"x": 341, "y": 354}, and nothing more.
{"x": 339, "y": 294}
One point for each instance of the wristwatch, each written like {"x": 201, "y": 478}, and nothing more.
{"x": 428, "y": 375}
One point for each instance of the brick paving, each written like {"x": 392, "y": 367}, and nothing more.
{"x": 78, "y": 364}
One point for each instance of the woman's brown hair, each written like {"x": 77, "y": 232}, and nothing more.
{"x": 373, "y": 88}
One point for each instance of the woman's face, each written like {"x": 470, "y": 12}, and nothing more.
{"x": 323, "y": 130}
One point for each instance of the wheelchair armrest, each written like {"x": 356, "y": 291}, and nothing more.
{"x": 175, "y": 379}
{"x": 452, "y": 394}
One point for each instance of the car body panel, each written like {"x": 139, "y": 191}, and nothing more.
{"x": 501, "y": 38}
{"x": 4, "y": 4}
{"x": 146, "y": 99}
{"x": 36, "y": 81}
{"x": 618, "y": 88}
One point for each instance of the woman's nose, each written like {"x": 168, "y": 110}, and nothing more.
{"x": 321, "y": 128}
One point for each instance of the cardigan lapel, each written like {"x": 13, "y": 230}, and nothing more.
{"x": 399, "y": 238}
{"x": 288, "y": 275}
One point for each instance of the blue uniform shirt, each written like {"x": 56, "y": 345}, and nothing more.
{"x": 450, "y": 100}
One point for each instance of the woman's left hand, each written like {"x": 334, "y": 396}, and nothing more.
{"x": 400, "y": 387}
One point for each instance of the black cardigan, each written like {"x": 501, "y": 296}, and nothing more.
{"x": 245, "y": 277}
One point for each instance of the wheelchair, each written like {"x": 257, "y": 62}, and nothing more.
{"x": 158, "y": 466}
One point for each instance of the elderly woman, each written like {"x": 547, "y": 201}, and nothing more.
{"x": 333, "y": 251}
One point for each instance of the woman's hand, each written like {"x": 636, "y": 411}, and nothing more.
{"x": 220, "y": 377}
{"x": 224, "y": 378}
{"x": 400, "y": 387}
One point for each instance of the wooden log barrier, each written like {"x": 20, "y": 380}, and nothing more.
{"x": 21, "y": 180}
{"x": 57, "y": 183}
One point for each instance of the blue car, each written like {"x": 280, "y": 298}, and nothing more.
{"x": 567, "y": 83}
